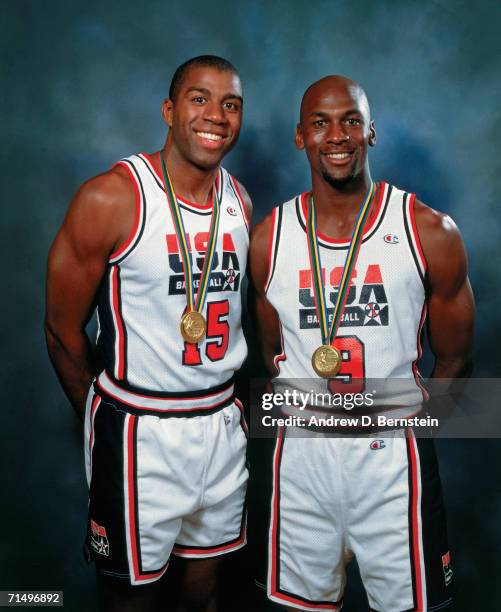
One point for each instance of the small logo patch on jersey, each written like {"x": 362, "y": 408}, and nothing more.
{"x": 98, "y": 539}
{"x": 391, "y": 238}
{"x": 446, "y": 564}
{"x": 231, "y": 211}
{"x": 227, "y": 419}
{"x": 377, "y": 444}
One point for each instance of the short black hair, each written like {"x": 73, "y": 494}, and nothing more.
{"x": 211, "y": 61}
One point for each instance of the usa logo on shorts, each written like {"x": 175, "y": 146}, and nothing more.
{"x": 98, "y": 539}
{"x": 446, "y": 564}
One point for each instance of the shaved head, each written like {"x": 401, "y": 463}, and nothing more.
{"x": 338, "y": 84}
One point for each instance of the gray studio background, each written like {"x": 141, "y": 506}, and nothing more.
{"x": 81, "y": 86}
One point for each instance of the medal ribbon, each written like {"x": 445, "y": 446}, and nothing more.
{"x": 193, "y": 302}
{"x": 328, "y": 335}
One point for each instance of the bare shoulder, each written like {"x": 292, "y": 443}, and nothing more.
{"x": 246, "y": 199}
{"x": 443, "y": 249}
{"x": 436, "y": 230}
{"x": 102, "y": 213}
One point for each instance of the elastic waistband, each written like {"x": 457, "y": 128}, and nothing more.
{"x": 189, "y": 403}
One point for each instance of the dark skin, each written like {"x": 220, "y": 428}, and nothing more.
{"x": 335, "y": 121}
{"x": 336, "y": 131}
{"x": 204, "y": 123}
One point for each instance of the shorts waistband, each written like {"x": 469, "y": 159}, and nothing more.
{"x": 190, "y": 403}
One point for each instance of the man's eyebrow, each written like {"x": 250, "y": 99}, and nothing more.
{"x": 350, "y": 111}
{"x": 207, "y": 92}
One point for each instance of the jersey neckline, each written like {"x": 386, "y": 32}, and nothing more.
{"x": 324, "y": 239}
{"x": 160, "y": 182}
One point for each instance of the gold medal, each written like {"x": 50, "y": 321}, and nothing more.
{"x": 192, "y": 326}
{"x": 326, "y": 361}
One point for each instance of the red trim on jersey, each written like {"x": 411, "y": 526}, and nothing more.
{"x": 282, "y": 356}
{"x": 415, "y": 369}
{"x": 137, "y": 216}
{"x": 415, "y": 232}
{"x": 240, "y": 201}
{"x": 154, "y": 166}
{"x": 344, "y": 241}
{"x": 271, "y": 249}
{"x": 415, "y": 521}
{"x": 183, "y": 200}
{"x": 119, "y": 329}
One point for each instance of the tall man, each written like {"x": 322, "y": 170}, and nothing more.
{"x": 338, "y": 497}
{"x": 159, "y": 244}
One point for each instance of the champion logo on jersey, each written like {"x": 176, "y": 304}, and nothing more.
{"x": 231, "y": 211}
{"x": 98, "y": 539}
{"x": 391, "y": 238}
{"x": 377, "y": 444}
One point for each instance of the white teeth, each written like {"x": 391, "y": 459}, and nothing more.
{"x": 338, "y": 155}
{"x": 210, "y": 136}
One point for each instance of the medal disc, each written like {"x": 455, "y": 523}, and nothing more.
{"x": 326, "y": 361}
{"x": 192, "y": 326}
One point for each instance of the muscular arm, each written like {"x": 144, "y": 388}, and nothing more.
{"x": 98, "y": 220}
{"x": 266, "y": 317}
{"x": 451, "y": 308}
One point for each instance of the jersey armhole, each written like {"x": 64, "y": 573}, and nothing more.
{"x": 413, "y": 234}
{"x": 122, "y": 251}
{"x": 240, "y": 200}
{"x": 274, "y": 239}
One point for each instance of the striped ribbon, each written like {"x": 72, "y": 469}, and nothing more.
{"x": 328, "y": 335}
{"x": 193, "y": 302}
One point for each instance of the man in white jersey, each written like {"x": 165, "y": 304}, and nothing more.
{"x": 377, "y": 498}
{"x": 164, "y": 433}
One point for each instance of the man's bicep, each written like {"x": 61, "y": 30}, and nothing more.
{"x": 72, "y": 282}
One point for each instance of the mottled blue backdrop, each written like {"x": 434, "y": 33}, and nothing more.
{"x": 81, "y": 86}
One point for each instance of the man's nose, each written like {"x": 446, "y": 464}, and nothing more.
{"x": 337, "y": 133}
{"x": 214, "y": 112}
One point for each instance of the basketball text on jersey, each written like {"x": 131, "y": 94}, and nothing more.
{"x": 225, "y": 275}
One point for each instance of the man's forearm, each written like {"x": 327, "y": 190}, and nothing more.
{"x": 74, "y": 361}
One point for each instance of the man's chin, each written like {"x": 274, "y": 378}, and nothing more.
{"x": 338, "y": 180}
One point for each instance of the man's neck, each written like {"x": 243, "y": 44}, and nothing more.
{"x": 191, "y": 183}
{"x": 337, "y": 206}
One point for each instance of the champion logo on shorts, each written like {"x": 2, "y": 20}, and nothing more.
{"x": 231, "y": 211}
{"x": 377, "y": 444}
{"x": 98, "y": 539}
{"x": 446, "y": 564}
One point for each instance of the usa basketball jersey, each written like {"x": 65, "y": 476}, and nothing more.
{"x": 379, "y": 334}
{"x": 142, "y": 298}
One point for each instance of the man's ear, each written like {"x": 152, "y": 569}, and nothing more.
{"x": 372, "y": 134}
{"x": 167, "y": 110}
{"x": 298, "y": 138}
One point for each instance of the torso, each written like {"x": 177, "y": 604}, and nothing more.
{"x": 142, "y": 297}
{"x": 385, "y": 310}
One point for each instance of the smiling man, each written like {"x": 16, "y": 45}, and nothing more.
{"x": 344, "y": 276}
{"x": 159, "y": 244}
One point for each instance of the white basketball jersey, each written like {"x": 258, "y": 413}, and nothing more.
{"x": 385, "y": 309}
{"x": 143, "y": 295}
